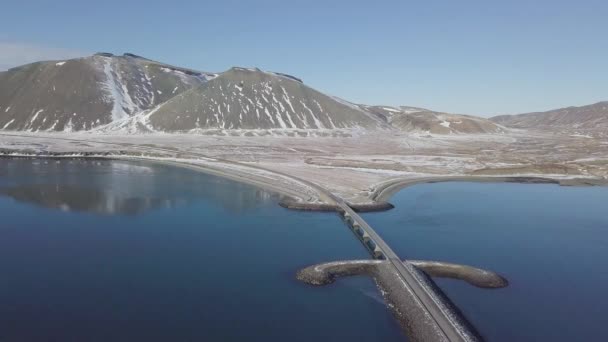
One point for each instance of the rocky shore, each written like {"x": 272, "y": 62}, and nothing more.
{"x": 290, "y": 203}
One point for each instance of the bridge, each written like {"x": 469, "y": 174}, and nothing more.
{"x": 446, "y": 326}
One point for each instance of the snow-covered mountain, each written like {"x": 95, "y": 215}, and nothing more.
{"x": 84, "y": 93}
{"x": 251, "y": 99}
{"x": 132, "y": 94}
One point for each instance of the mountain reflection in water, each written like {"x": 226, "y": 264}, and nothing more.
{"x": 116, "y": 187}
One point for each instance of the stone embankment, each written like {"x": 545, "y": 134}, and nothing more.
{"x": 327, "y": 273}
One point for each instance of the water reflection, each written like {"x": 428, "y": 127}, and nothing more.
{"x": 110, "y": 187}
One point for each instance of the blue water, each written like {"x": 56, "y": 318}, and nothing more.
{"x": 550, "y": 242}
{"x": 97, "y": 250}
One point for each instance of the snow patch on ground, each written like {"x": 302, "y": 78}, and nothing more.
{"x": 349, "y": 166}
{"x": 581, "y": 136}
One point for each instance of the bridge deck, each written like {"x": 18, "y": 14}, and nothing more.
{"x": 428, "y": 300}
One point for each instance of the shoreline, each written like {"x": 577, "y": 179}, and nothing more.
{"x": 398, "y": 297}
{"x": 358, "y": 171}
{"x": 228, "y": 173}
{"x": 384, "y": 191}
{"x": 300, "y": 194}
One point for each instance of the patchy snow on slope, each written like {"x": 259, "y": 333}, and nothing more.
{"x": 410, "y": 110}
{"x": 69, "y": 127}
{"x": 210, "y": 77}
{"x": 202, "y": 77}
{"x": 356, "y": 107}
{"x": 389, "y": 109}
{"x": 8, "y": 124}
{"x": 136, "y": 124}
{"x": 122, "y": 103}
{"x": 60, "y": 63}
{"x": 35, "y": 117}
{"x": 237, "y": 103}
{"x": 445, "y": 124}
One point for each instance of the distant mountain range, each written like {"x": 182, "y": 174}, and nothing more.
{"x": 412, "y": 119}
{"x": 593, "y": 116}
{"x": 133, "y": 94}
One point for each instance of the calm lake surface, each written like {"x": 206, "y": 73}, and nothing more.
{"x": 550, "y": 242}
{"x": 98, "y": 250}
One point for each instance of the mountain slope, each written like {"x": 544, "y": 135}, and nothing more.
{"x": 418, "y": 120}
{"x": 132, "y": 94}
{"x": 84, "y": 93}
{"x": 593, "y": 116}
{"x": 253, "y": 99}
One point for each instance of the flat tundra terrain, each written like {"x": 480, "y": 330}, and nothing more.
{"x": 354, "y": 165}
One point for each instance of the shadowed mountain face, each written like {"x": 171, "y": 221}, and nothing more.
{"x": 84, "y": 93}
{"x": 593, "y": 116}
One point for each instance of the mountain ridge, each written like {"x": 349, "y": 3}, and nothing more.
{"x": 591, "y": 116}
{"x": 133, "y": 94}
{"x": 83, "y": 93}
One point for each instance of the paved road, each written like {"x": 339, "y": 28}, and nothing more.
{"x": 423, "y": 294}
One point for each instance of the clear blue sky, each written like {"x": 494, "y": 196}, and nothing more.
{"x": 477, "y": 57}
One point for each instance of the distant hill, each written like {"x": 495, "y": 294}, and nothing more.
{"x": 412, "y": 119}
{"x": 593, "y": 116}
{"x": 252, "y": 99}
